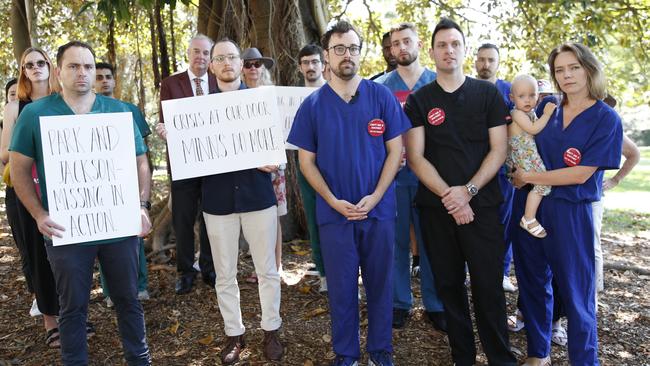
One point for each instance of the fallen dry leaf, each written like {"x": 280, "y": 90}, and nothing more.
{"x": 174, "y": 327}
{"x": 181, "y": 352}
{"x": 315, "y": 312}
{"x": 207, "y": 340}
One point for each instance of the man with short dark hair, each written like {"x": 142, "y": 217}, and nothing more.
{"x": 73, "y": 264}
{"x": 407, "y": 78}
{"x": 349, "y": 135}
{"x": 391, "y": 62}
{"x": 105, "y": 85}
{"x": 311, "y": 65}
{"x": 487, "y": 65}
{"x": 186, "y": 193}
{"x": 456, "y": 146}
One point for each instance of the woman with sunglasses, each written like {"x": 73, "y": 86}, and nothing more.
{"x": 34, "y": 81}
{"x": 256, "y": 73}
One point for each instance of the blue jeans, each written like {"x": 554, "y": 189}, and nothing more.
{"x": 72, "y": 266}
{"x": 407, "y": 213}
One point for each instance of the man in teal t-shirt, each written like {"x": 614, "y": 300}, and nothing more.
{"x": 72, "y": 265}
{"x": 105, "y": 85}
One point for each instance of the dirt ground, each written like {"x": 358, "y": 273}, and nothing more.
{"x": 187, "y": 329}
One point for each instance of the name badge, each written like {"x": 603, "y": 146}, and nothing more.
{"x": 572, "y": 156}
{"x": 436, "y": 116}
{"x": 376, "y": 127}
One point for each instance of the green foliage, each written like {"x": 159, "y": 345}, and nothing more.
{"x": 625, "y": 222}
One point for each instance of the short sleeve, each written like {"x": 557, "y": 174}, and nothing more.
{"x": 22, "y": 139}
{"x": 497, "y": 113}
{"x": 303, "y": 130}
{"x": 139, "y": 120}
{"x": 413, "y": 112}
{"x": 140, "y": 147}
{"x": 396, "y": 121}
{"x": 603, "y": 149}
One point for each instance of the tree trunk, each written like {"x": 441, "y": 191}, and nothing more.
{"x": 30, "y": 15}
{"x": 112, "y": 55}
{"x": 154, "y": 51}
{"x": 173, "y": 38}
{"x": 19, "y": 28}
{"x": 162, "y": 41}
{"x": 138, "y": 64}
{"x": 279, "y": 29}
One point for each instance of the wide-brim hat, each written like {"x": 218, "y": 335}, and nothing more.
{"x": 255, "y": 54}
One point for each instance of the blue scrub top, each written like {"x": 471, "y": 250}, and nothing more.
{"x": 349, "y": 158}
{"x": 504, "y": 88}
{"x": 394, "y": 82}
{"x": 596, "y": 135}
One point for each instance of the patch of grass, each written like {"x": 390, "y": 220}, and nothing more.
{"x": 625, "y": 222}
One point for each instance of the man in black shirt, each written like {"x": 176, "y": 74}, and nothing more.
{"x": 456, "y": 146}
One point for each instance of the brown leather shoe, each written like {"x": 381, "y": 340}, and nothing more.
{"x": 272, "y": 347}
{"x": 231, "y": 350}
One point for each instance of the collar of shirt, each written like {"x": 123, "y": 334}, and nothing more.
{"x": 204, "y": 81}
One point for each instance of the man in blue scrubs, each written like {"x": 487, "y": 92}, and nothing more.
{"x": 349, "y": 135}
{"x": 487, "y": 65}
{"x": 409, "y": 76}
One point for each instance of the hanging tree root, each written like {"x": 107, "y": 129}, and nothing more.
{"x": 620, "y": 266}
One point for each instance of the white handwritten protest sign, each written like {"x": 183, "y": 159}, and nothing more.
{"x": 92, "y": 181}
{"x": 223, "y": 132}
{"x": 289, "y": 99}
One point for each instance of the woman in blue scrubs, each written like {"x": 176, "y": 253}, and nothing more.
{"x": 582, "y": 139}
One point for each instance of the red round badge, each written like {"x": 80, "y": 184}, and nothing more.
{"x": 572, "y": 156}
{"x": 436, "y": 116}
{"x": 376, "y": 127}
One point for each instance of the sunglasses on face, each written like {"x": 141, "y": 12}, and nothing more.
{"x": 31, "y": 65}
{"x": 255, "y": 64}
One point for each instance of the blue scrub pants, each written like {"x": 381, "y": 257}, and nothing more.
{"x": 505, "y": 213}
{"x": 143, "y": 274}
{"x": 480, "y": 245}
{"x": 566, "y": 254}
{"x": 407, "y": 213}
{"x": 346, "y": 247}
{"x": 73, "y": 266}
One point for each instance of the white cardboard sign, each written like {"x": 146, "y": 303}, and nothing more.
{"x": 289, "y": 100}
{"x": 91, "y": 175}
{"x": 223, "y": 132}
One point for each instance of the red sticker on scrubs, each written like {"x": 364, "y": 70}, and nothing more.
{"x": 436, "y": 116}
{"x": 572, "y": 156}
{"x": 376, "y": 127}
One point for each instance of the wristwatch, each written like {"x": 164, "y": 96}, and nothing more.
{"x": 145, "y": 204}
{"x": 472, "y": 189}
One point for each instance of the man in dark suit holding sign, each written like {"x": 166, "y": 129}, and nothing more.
{"x": 186, "y": 193}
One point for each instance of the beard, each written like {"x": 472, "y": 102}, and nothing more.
{"x": 346, "y": 73}
{"x": 228, "y": 77}
{"x": 312, "y": 76}
{"x": 407, "y": 60}
{"x": 485, "y": 74}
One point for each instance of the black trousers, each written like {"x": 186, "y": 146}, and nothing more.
{"x": 11, "y": 202}
{"x": 186, "y": 198}
{"x": 38, "y": 266}
{"x": 480, "y": 244}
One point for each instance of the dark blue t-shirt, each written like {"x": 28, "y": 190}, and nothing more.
{"x": 504, "y": 89}
{"x": 237, "y": 192}
{"x": 350, "y": 150}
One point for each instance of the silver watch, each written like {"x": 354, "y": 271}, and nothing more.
{"x": 472, "y": 189}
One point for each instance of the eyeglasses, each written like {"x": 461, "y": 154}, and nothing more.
{"x": 313, "y": 62}
{"x": 340, "y": 49}
{"x": 31, "y": 65}
{"x": 221, "y": 58}
{"x": 255, "y": 64}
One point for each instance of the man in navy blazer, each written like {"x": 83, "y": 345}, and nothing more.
{"x": 186, "y": 193}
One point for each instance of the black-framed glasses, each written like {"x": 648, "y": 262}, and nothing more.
{"x": 31, "y": 65}
{"x": 313, "y": 62}
{"x": 221, "y": 58}
{"x": 340, "y": 49}
{"x": 256, "y": 64}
